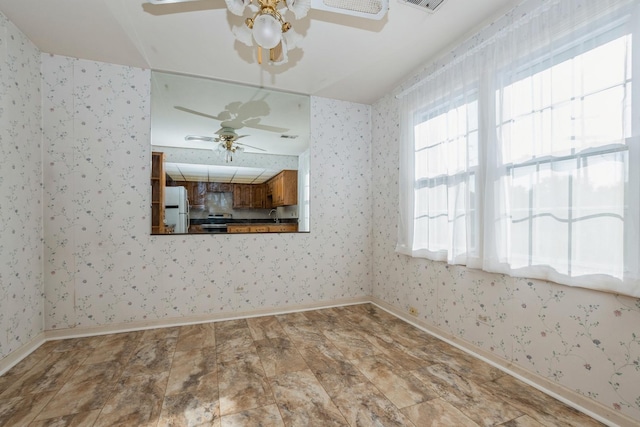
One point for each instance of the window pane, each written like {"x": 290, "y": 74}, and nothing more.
{"x": 445, "y": 146}
{"x": 603, "y": 118}
{"x": 604, "y": 66}
{"x": 597, "y": 247}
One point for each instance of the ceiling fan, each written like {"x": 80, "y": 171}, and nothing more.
{"x": 238, "y": 115}
{"x": 272, "y": 32}
{"x": 228, "y": 139}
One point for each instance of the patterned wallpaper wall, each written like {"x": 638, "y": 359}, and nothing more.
{"x": 585, "y": 340}
{"x": 21, "y": 308}
{"x": 103, "y": 267}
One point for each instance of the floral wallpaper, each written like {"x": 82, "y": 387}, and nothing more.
{"x": 102, "y": 266}
{"x": 21, "y": 309}
{"x": 584, "y": 340}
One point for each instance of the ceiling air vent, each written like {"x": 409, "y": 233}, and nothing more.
{"x": 428, "y": 5}
{"x": 371, "y": 9}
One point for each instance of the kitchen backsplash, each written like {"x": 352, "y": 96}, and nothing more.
{"x": 222, "y": 203}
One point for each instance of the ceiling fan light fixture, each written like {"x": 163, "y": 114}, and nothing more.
{"x": 243, "y": 33}
{"x": 267, "y": 30}
{"x": 299, "y": 8}
{"x": 237, "y": 6}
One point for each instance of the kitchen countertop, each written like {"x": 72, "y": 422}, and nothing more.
{"x": 195, "y": 221}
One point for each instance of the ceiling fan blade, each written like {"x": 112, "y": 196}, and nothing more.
{"x": 254, "y": 123}
{"x": 250, "y": 146}
{"x": 199, "y": 138}
{"x": 198, "y": 113}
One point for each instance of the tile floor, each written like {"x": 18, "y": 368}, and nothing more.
{"x": 346, "y": 366}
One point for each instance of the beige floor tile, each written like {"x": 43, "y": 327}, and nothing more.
{"x": 151, "y": 357}
{"x": 48, "y": 375}
{"x": 196, "y": 336}
{"x": 265, "y": 416}
{"x": 400, "y": 386}
{"x": 279, "y": 356}
{"x": 115, "y": 347}
{"x": 483, "y": 408}
{"x": 87, "y": 390}
{"x": 21, "y": 410}
{"x": 363, "y": 405}
{"x": 303, "y": 402}
{"x": 437, "y": 413}
{"x": 523, "y": 421}
{"x": 265, "y": 327}
{"x": 83, "y": 419}
{"x": 135, "y": 401}
{"x": 243, "y": 385}
{"x": 194, "y": 408}
{"x": 193, "y": 370}
{"x": 160, "y": 334}
{"x": 352, "y": 343}
{"x": 537, "y": 405}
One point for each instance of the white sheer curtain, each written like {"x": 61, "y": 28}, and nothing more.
{"x": 520, "y": 154}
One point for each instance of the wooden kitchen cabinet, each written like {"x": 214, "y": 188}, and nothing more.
{"x": 242, "y": 195}
{"x": 283, "y": 228}
{"x": 282, "y": 189}
{"x": 262, "y": 228}
{"x": 233, "y": 228}
{"x": 259, "y": 196}
{"x": 158, "y": 181}
{"x": 249, "y": 196}
{"x": 196, "y": 191}
{"x": 219, "y": 187}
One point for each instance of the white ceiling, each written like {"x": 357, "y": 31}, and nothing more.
{"x": 217, "y": 173}
{"x": 341, "y": 57}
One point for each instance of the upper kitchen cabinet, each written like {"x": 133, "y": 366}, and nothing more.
{"x": 282, "y": 189}
{"x": 249, "y": 196}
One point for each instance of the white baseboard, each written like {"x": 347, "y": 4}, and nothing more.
{"x": 58, "y": 334}
{"x": 575, "y": 400}
{"x": 16, "y": 356}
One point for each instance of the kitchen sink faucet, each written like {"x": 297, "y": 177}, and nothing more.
{"x": 276, "y": 219}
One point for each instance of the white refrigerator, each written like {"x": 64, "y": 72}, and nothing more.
{"x": 176, "y": 209}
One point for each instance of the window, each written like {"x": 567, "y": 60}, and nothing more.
{"x": 446, "y": 161}
{"x": 534, "y": 171}
{"x": 562, "y": 135}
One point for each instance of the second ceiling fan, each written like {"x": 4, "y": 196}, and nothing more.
{"x": 228, "y": 139}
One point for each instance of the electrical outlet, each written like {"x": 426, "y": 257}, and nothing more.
{"x": 413, "y": 311}
{"x": 483, "y": 318}
{"x": 239, "y": 289}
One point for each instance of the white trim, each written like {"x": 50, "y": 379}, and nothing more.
{"x": 16, "y": 356}
{"x": 60, "y": 334}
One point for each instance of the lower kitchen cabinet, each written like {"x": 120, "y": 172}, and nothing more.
{"x": 262, "y": 228}
{"x": 283, "y": 228}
